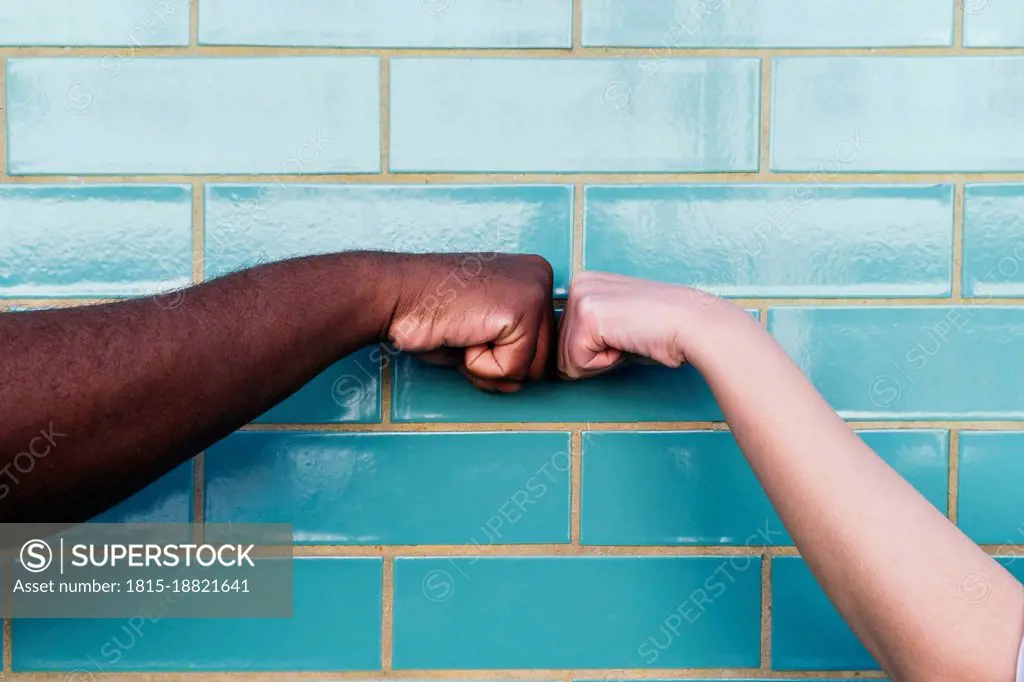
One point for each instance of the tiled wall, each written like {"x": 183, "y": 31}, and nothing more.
{"x": 851, "y": 170}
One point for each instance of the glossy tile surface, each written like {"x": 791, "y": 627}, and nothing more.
{"x": 168, "y": 500}
{"x": 94, "y": 22}
{"x": 347, "y": 391}
{"x": 696, "y": 488}
{"x": 387, "y": 23}
{"x": 395, "y": 489}
{"x": 897, "y": 114}
{"x": 196, "y": 115}
{"x": 335, "y": 626}
{"x": 806, "y": 240}
{"x": 807, "y": 631}
{"x": 991, "y": 23}
{"x": 933, "y": 362}
{"x": 585, "y": 612}
{"x": 506, "y": 115}
{"x": 246, "y": 224}
{"x": 91, "y": 242}
{"x": 990, "y": 510}
{"x": 993, "y": 262}
{"x": 767, "y": 23}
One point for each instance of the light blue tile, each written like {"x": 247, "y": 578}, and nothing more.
{"x": 283, "y": 115}
{"x": 993, "y": 260}
{"x": 586, "y": 612}
{"x": 991, "y": 510}
{"x": 168, "y": 500}
{"x": 335, "y": 626}
{"x": 897, "y": 114}
{"x": 807, "y": 631}
{"x": 776, "y": 240}
{"x": 667, "y": 24}
{"x": 246, "y": 224}
{"x": 94, "y": 22}
{"x": 395, "y": 489}
{"x": 933, "y": 362}
{"x": 993, "y": 23}
{"x": 696, "y": 488}
{"x": 94, "y": 241}
{"x": 574, "y": 115}
{"x": 387, "y": 23}
{"x": 347, "y": 391}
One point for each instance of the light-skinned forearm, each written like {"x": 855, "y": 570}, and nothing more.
{"x": 894, "y": 566}
{"x": 131, "y": 389}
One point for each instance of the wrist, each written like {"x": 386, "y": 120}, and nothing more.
{"x": 710, "y": 328}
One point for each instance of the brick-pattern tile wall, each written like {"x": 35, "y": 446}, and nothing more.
{"x": 852, "y": 171}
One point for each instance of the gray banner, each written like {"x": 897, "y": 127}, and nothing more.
{"x": 146, "y": 571}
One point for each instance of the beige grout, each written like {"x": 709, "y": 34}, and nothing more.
{"x": 193, "y": 23}
{"x": 198, "y": 230}
{"x": 387, "y": 621}
{"x": 386, "y": 391}
{"x": 532, "y": 178}
{"x": 953, "y": 492}
{"x": 958, "y": 241}
{"x": 8, "y": 654}
{"x": 766, "y": 115}
{"x": 958, "y": 25}
{"x": 576, "y": 488}
{"x": 3, "y": 118}
{"x": 577, "y": 52}
{"x": 385, "y": 114}
{"x": 766, "y": 612}
{"x": 577, "y": 26}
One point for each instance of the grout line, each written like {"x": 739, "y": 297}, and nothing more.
{"x": 576, "y": 488}
{"x": 958, "y": 241}
{"x": 387, "y": 621}
{"x": 384, "y": 377}
{"x": 958, "y": 24}
{"x": 577, "y": 26}
{"x": 488, "y": 427}
{"x": 3, "y": 118}
{"x": 8, "y": 654}
{"x": 385, "y": 108}
{"x": 578, "y": 232}
{"x": 530, "y": 178}
{"x": 199, "y": 491}
{"x": 198, "y": 231}
{"x": 762, "y": 311}
{"x": 578, "y": 51}
{"x": 766, "y": 612}
{"x": 954, "y": 476}
{"x": 512, "y": 674}
{"x": 766, "y": 115}
{"x": 193, "y": 23}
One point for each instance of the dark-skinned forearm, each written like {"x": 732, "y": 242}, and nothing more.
{"x": 119, "y": 394}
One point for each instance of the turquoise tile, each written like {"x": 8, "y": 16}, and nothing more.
{"x": 807, "y": 631}
{"x": 1014, "y": 564}
{"x": 990, "y": 508}
{"x": 776, "y": 240}
{"x": 168, "y": 500}
{"x": 927, "y": 362}
{"x": 347, "y": 391}
{"x": 578, "y": 612}
{"x": 280, "y": 115}
{"x": 669, "y": 24}
{"x": 993, "y": 259}
{"x": 574, "y": 115}
{"x": 395, "y": 489}
{"x": 60, "y": 23}
{"x": 426, "y": 393}
{"x": 99, "y": 241}
{"x": 696, "y": 488}
{"x": 246, "y": 224}
{"x": 989, "y": 23}
{"x": 335, "y": 626}
{"x": 387, "y": 23}
{"x": 897, "y": 114}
